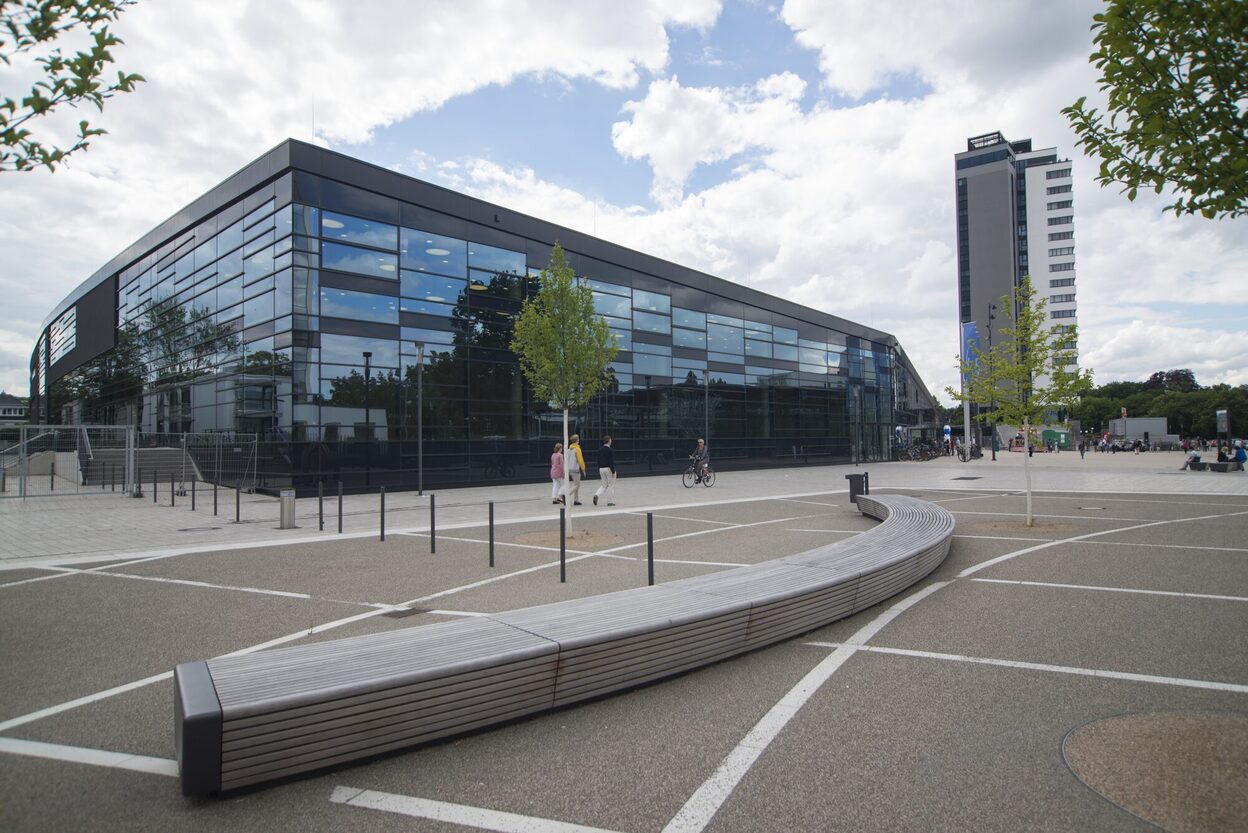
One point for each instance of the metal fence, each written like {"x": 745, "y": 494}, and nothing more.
{"x": 49, "y": 460}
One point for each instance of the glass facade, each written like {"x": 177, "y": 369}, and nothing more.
{"x": 300, "y": 321}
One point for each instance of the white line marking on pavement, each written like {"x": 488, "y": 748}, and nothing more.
{"x": 992, "y": 561}
{"x": 1115, "y": 589}
{"x": 1035, "y": 515}
{"x": 1183, "y": 682}
{"x": 702, "y": 806}
{"x": 456, "y": 613}
{"x": 701, "y": 563}
{"x": 836, "y": 531}
{"x": 812, "y": 502}
{"x": 1000, "y": 538}
{"x": 968, "y": 497}
{"x": 479, "y": 818}
{"x": 93, "y": 757}
{"x": 496, "y": 543}
{"x": 82, "y": 701}
{"x": 704, "y": 532}
{"x": 1167, "y": 546}
{"x": 678, "y": 518}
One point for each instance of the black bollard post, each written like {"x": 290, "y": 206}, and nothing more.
{"x": 563, "y": 549}
{"x": 339, "y": 507}
{"x": 433, "y": 525}
{"x": 491, "y": 533}
{"x": 214, "y": 498}
{"x": 650, "y": 546}
{"x": 112, "y": 477}
{"x": 192, "y": 495}
{"x": 138, "y": 482}
{"x": 52, "y": 476}
{"x": 238, "y": 504}
{"x": 383, "y": 512}
{"x": 155, "y": 482}
{"x": 173, "y": 491}
{"x": 320, "y": 505}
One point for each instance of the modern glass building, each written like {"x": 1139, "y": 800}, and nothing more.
{"x": 289, "y": 306}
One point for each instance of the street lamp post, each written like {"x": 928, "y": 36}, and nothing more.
{"x": 992, "y": 308}
{"x": 420, "y": 417}
{"x": 706, "y": 407}
{"x": 368, "y": 424}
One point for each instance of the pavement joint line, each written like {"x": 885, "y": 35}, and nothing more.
{"x": 705, "y": 802}
{"x": 1141, "y": 591}
{"x": 1184, "y": 682}
{"x": 1167, "y": 546}
{"x": 677, "y": 518}
{"x": 1000, "y": 538}
{"x": 705, "y": 532}
{"x": 496, "y": 543}
{"x": 93, "y": 757}
{"x": 834, "y": 531}
{"x": 1037, "y": 515}
{"x": 479, "y": 818}
{"x": 1026, "y": 550}
{"x": 968, "y": 497}
{"x": 812, "y": 502}
{"x": 701, "y": 563}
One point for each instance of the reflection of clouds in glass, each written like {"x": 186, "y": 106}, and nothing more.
{"x": 355, "y": 230}
{"x": 360, "y": 261}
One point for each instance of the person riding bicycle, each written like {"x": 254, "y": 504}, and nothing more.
{"x": 701, "y": 457}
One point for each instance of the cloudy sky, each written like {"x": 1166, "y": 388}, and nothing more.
{"x": 804, "y": 148}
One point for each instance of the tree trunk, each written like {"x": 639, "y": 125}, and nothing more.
{"x": 1031, "y": 521}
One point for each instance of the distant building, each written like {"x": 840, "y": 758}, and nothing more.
{"x": 1015, "y": 216}
{"x": 12, "y": 408}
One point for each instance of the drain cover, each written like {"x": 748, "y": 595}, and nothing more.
{"x": 967, "y": 478}
{"x": 405, "y": 612}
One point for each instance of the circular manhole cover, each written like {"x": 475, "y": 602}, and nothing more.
{"x": 1182, "y": 771}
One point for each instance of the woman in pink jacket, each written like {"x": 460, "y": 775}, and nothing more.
{"x": 556, "y": 474}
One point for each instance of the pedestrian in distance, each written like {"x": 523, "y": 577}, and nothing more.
{"x": 606, "y": 470}
{"x": 574, "y": 465}
{"x": 1240, "y": 456}
{"x": 1083, "y": 447}
{"x": 556, "y": 474}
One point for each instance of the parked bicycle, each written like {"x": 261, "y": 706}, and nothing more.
{"x": 691, "y": 476}
{"x": 974, "y": 453}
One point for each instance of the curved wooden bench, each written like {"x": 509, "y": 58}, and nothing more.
{"x": 245, "y": 720}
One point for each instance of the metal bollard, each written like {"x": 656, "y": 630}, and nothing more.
{"x": 383, "y": 512}
{"x": 52, "y": 476}
{"x": 173, "y": 491}
{"x": 214, "y": 498}
{"x": 155, "y": 479}
{"x": 193, "y": 495}
{"x": 138, "y": 482}
{"x": 112, "y": 477}
{"x": 238, "y": 503}
{"x": 491, "y": 533}
{"x": 339, "y": 507}
{"x": 866, "y": 482}
{"x": 320, "y": 505}
{"x": 433, "y": 525}
{"x": 563, "y": 549}
{"x": 650, "y": 546}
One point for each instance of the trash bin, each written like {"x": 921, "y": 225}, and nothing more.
{"x": 286, "y": 499}
{"x": 857, "y": 486}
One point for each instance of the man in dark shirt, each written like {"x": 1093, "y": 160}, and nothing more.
{"x": 606, "y": 470}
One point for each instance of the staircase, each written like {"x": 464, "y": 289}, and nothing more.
{"x": 158, "y": 463}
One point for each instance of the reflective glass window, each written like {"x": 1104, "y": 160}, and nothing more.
{"x": 610, "y": 288}
{"x": 307, "y": 219}
{"x": 782, "y": 335}
{"x": 726, "y": 358}
{"x": 688, "y": 338}
{"x": 258, "y": 214}
{"x": 229, "y": 293}
{"x": 623, "y": 339}
{"x": 425, "y": 336}
{"x": 688, "y": 318}
{"x": 784, "y": 351}
{"x": 648, "y": 365}
{"x": 695, "y": 364}
{"x": 354, "y": 230}
{"x": 757, "y": 327}
{"x": 495, "y": 259}
{"x": 258, "y": 309}
{"x": 811, "y": 355}
{"x": 648, "y": 322}
{"x": 652, "y": 301}
{"x": 359, "y": 306}
{"x": 433, "y": 288}
{"x": 614, "y": 305}
{"x": 258, "y": 265}
{"x": 753, "y": 347}
{"x": 617, "y": 323}
{"x": 230, "y": 239}
{"x": 653, "y": 349}
{"x": 426, "y": 307}
{"x": 424, "y": 252}
{"x": 359, "y": 261}
{"x": 723, "y": 319}
{"x": 725, "y": 339}
{"x": 205, "y": 253}
{"x": 339, "y": 349}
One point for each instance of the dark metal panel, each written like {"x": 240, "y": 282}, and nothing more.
{"x": 197, "y": 729}
{"x": 365, "y": 329}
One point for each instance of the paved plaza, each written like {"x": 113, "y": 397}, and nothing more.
{"x": 1087, "y": 673}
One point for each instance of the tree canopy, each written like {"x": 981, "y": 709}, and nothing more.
{"x": 1176, "y": 75}
{"x": 28, "y": 30}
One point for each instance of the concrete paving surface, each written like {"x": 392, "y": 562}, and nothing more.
{"x": 1074, "y": 675}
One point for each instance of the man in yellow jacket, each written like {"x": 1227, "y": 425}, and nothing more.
{"x": 574, "y": 465}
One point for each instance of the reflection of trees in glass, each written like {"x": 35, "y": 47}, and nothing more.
{"x": 183, "y": 342}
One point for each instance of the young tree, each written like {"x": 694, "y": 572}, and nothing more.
{"x": 1176, "y": 73}
{"x": 26, "y": 28}
{"x": 1024, "y": 375}
{"x": 564, "y": 347}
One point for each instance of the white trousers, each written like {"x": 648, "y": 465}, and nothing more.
{"x": 556, "y": 487}
{"x": 607, "y": 488}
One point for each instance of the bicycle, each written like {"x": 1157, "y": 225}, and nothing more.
{"x": 691, "y": 476}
